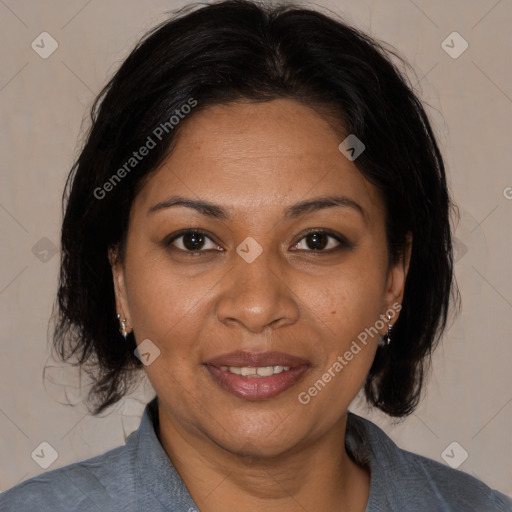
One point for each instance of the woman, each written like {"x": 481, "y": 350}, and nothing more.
{"x": 261, "y": 209}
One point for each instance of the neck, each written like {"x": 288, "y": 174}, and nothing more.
{"x": 315, "y": 476}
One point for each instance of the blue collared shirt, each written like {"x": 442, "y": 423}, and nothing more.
{"x": 139, "y": 477}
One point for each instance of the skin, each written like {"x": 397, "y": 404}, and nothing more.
{"x": 254, "y": 160}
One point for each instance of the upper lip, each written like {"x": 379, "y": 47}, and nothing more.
{"x": 242, "y": 358}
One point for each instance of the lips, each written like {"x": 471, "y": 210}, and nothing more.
{"x": 256, "y": 388}
{"x": 251, "y": 387}
{"x": 242, "y": 358}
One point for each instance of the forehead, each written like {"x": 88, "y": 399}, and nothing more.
{"x": 258, "y": 155}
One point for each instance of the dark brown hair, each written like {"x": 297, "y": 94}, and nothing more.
{"x": 233, "y": 50}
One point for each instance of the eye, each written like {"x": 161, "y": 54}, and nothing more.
{"x": 192, "y": 241}
{"x": 197, "y": 241}
{"x": 321, "y": 241}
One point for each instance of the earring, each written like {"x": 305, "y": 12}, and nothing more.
{"x": 122, "y": 329}
{"x": 386, "y": 339}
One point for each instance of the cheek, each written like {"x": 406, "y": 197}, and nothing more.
{"x": 165, "y": 308}
{"x": 352, "y": 300}
{"x": 163, "y": 303}
{"x": 348, "y": 309}
{"x": 349, "y": 347}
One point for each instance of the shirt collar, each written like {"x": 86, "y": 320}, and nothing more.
{"x": 154, "y": 467}
{"x": 371, "y": 446}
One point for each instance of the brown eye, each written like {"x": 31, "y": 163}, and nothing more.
{"x": 317, "y": 241}
{"x": 192, "y": 241}
{"x": 321, "y": 241}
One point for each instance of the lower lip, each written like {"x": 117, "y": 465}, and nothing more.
{"x": 256, "y": 388}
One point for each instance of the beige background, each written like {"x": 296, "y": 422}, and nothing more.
{"x": 43, "y": 101}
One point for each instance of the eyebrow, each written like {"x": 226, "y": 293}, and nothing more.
{"x": 291, "y": 212}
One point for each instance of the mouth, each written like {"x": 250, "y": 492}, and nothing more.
{"x": 256, "y": 376}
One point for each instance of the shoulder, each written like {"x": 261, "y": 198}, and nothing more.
{"x": 451, "y": 487}
{"x": 104, "y": 482}
{"x": 402, "y": 478}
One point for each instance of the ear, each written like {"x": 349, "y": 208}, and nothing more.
{"x": 118, "y": 276}
{"x": 397, "y": 275}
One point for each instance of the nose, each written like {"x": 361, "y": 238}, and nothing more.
{"x": 257, "y": 296}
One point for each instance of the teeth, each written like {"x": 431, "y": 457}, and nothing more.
{"x": 260, "y": 371}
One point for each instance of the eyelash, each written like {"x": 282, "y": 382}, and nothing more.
{"x": 343, "y": 243}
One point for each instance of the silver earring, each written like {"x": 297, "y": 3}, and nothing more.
{"x": 122, "y": 329}
{"x": 386, "y": 339}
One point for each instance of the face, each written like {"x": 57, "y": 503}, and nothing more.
{"x": 269, "y": 265}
